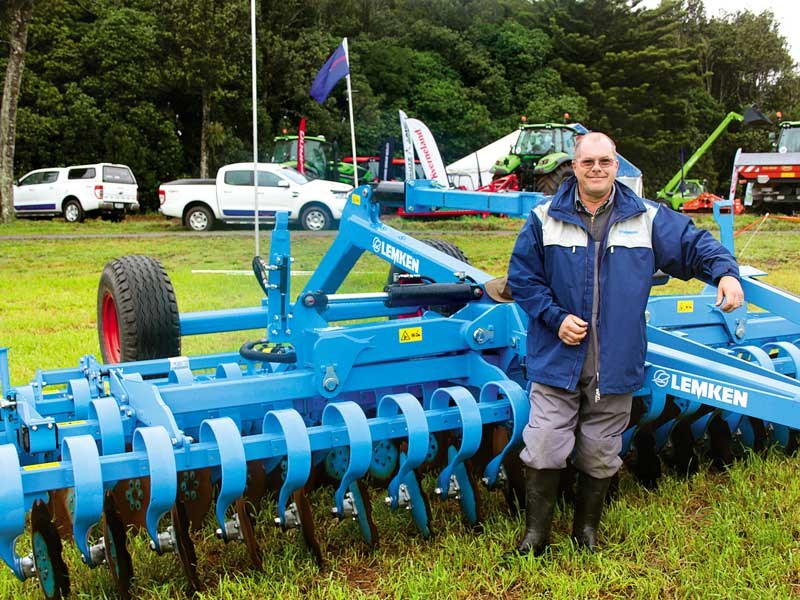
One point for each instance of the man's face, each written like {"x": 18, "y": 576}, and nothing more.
{"x": 595, "y": 165}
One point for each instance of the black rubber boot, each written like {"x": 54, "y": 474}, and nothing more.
{"x": 589, "y": 497}
{"x": 541, "y": 489}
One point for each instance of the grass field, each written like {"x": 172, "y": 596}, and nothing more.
{"x": 734, "y": 534}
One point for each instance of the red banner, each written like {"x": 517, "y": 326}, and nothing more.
{"x": 301, "y": 146}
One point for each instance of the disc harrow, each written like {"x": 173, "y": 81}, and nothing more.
{"x": 342, "y": 391}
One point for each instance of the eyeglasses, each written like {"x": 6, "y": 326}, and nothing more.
{"x": 588, "y": 163}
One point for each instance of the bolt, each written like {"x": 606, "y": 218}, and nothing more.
{"x": 485, "y": 481}
{"x": 219, "y": 533}
{"x": 174, "y": 441}
{"x": 49, "y": 425}
{"x": 388, "y": 500}
{"x": 438, "y": 491}
{"x": 334, "y": 510}
{"x": 277, "y": 521}
{"x": 34, "y": 427}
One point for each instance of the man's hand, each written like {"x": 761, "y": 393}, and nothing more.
{"x": 573, "y": 330}
{"x": 730, "y": 290}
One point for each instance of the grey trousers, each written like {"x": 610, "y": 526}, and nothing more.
{"x": 562, "y": 421}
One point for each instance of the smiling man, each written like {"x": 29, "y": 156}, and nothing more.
{"x": 582, "y": 269}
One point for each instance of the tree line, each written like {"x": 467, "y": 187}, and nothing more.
{"x": 164, "y": 85}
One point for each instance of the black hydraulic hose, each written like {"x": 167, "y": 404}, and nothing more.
{"x": 276, "y": 354}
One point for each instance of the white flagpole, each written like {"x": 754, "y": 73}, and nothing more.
{"x": 352, "y": 124}
{"x": 255, "y": 119}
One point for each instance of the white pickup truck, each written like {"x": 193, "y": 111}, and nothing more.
{"x": 199, "y": 203}
{"x": 76, "y": 192}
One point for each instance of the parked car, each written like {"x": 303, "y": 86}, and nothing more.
{"x": 102, "y": 189}
{"x": 199, "y": 203}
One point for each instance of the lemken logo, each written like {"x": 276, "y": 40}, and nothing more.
{"x": 395, "y": 255}
{"x": 701, "y": 389}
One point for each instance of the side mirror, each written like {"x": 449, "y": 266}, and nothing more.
{"x": 282, "y": 183}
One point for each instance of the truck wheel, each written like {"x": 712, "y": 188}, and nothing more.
{"x": 315, "y": 218}
{"x": 199, "y": 218}
{"x": 137, "y": 313}
{"x": 548, "y": 184}
{"x": 73, "y": 212}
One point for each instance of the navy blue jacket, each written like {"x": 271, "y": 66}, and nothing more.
{"x": 551, "y": 275}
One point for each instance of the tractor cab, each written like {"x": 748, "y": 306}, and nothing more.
{"x": 318, "y": 155}
{"x": 788, "y": 137}
{"x": 540, "y": 158}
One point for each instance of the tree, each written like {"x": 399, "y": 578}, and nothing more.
{"x": 19, "y": 13}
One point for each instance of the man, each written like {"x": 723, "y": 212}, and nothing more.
{"x": 582, "y": 269}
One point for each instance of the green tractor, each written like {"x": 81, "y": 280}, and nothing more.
{"x": 541, "y": 158}
{"x": 319, "y": 161}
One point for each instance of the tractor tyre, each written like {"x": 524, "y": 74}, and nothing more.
{"x": 451, "y": 250}
{"x": 548, "y": 184}
{"x": 137, "y": 313}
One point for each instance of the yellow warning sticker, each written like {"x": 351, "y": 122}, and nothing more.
{"x": 410, "y": 334}
{"x": 685, "y": 306}
{"x": 71, "y": 423}
{"x": 41, "y": 466}
{"x": 356, "y": 199}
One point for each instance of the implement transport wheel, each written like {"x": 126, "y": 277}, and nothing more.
{"x": 117, "y": 556}
{"x": 50, "y": 567}
{"x": 137, "y": 313}
{"x": 549, "y": 183}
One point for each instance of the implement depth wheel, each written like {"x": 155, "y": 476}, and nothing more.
{"x": 137, "y": 314}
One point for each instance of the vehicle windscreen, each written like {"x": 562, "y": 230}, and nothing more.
{"x": 284, "y": 151}
{"x": 294, "y": 175}
{"x": 536, "y": 141}
{"x": 789, "y": 140}
{"x": 118, "y": 175}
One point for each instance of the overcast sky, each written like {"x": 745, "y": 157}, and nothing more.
{"x": 785, "y": 12}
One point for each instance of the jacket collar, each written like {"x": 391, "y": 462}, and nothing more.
{"x": 626, "y": 203}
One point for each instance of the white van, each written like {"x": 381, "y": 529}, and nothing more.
{"x": 102, "y": 189}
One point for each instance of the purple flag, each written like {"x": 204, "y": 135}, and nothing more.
{"x": 331, "y": 72}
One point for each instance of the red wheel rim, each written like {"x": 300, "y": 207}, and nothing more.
{"x": 110, "y": 329}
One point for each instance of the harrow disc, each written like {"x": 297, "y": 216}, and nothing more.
{"x": 117, "y": 556}
{"x": 307, "y": 526}
{"x": 245, "y": 513}
{"x": 195, "y": 491}
{"x": 50, "y": 566}
{"x": 185, "y": 545}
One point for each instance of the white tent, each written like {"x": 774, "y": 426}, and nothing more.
{"x": 464, "y": 171}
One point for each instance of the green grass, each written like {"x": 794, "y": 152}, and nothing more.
{"x": 714, "y": 535}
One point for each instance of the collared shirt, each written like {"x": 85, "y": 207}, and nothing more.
{"x": 597, "y": 226}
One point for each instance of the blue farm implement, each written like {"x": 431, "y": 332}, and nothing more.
{"x": 343, "y": 392}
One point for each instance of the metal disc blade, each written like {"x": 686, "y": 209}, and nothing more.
{"x": 307, "y": 526}
{"x": 50, "y": 567}
{"x": 180, "y": 524}
{"x": 245, "y": 512}
{"x": 117, "y": 556}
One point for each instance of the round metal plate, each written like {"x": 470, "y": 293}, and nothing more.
{"x": 50, "y": 567}
{"x": 117, "y": 556}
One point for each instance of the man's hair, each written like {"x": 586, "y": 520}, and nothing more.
{"x": 580, "y": 138}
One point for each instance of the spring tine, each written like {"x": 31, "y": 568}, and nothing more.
{"x": 50, "y": 567}
{"x": 289, "y": 424}
{"x": 233, "y": 466}
{"x": 12, "y": 507}
{"x": 82, "y": 452}
{"x": 415, "y": 500}
{"x": 360, "y": 495}
{"x": 359, "y": 441}
{"x": 112, "y": 436}
{"x": 116, "y": 550}
{"x": 519, "y": 412}
{"x": 467, "y": 495}
{"x": 472, "y": 430}
{"x": 155, "y": 442}
{"x": 417, "y": 430}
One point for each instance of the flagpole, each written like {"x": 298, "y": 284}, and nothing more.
{"x": 255, "y": 118}
{"x": 352, "y": 124}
